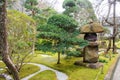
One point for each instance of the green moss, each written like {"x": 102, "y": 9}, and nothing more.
{"x": 28, "y": 69}
{"x": 2, "y": 65}
{"x": 74, "y": 72}
{"x": 45, "y": 75}
{"x": 2, "y": 78}
{"x": 107, "y": 66}
{"x": 118, "y": 44}
{"x": 45, "y": 53}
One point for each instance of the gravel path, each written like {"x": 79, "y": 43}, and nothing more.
{"x": 60, "y": 75}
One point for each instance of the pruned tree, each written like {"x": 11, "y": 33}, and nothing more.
{"x": 4, "y": 43}
{"x": 59, "y": 35}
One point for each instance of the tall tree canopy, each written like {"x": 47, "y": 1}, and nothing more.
{"x": 31, "y": 6}
{"x": 44, "y": 15}
{"x": 81, "y": 10}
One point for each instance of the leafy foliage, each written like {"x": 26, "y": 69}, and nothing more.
{"x": 81, "y": 10}
{"x": 57, "y": 35}
{"x": 63, "y": 21}
{"x": 10, "y": 3}
{"x": 44, "y": 15}
{"x": 21, "y": 34}
{"x": 42, "y": 76}
{"x": 68, "y": 4}
{"x": 31, "y": 5}
{"x": 33, "y": 2}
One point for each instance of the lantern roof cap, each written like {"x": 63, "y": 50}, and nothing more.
{"x": 92, "y": 27}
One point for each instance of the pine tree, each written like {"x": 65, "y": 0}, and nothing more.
{"x": 31, "y": 5}
{"x": 59, "y": 35}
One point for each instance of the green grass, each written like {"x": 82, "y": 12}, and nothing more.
{"x": 2, "y": 65}
{"x": 74, "y": 72}
{"x": 41, "y": 52}
{"x": 118, "y": 44}
{"x": 2, "y": 78}
{"x": 45, "y": 75}
{"x": 108, "y": 65}
{"x": 28, "y": 69}
{"x": 67, "y": 66}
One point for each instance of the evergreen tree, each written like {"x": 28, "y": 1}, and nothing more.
{"x": 31, "y": 5}
{"x": 59, "y": 35}
{"x": 81, "y": 10}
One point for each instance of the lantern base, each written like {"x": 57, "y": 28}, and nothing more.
{"x": 91, "y": 53}
{"x": 89, "y": 65}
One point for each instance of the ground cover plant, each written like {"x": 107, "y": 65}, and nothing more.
{"x": 26, "y": 70}
{"x": 75, "y": 72}
{"x": 42, "y": 76}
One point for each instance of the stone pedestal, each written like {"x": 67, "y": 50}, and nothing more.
{"x": 91, "y": 53}
{"x": 89, "y": 65}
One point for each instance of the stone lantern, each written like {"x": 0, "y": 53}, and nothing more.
{"x": 91, "y": 51}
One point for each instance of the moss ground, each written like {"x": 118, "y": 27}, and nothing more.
{"x": 2, "y": 78}
{"x": 67, "y": 66}
{"x": 45, "y": 75}
{"x": 74, "y": 72}
{"x": 28, "y": 69}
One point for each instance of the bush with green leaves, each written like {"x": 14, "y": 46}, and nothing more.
{"x": 21, "y": 35}
{"x": 64, "y": 22}
{"x": 59, "y": 35}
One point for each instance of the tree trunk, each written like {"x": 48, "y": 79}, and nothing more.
{"x": 58, "y": 62}
{"x": 109, "y": 46}
{"x": 114, "y": 27}
{"x": 33, "y": 45}
{"x": 3, "y": 41}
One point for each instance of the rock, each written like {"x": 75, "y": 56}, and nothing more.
{"x": 95, "y": 65}
{"x": 91, "y": 54}
{"x": 89, "y": 65}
